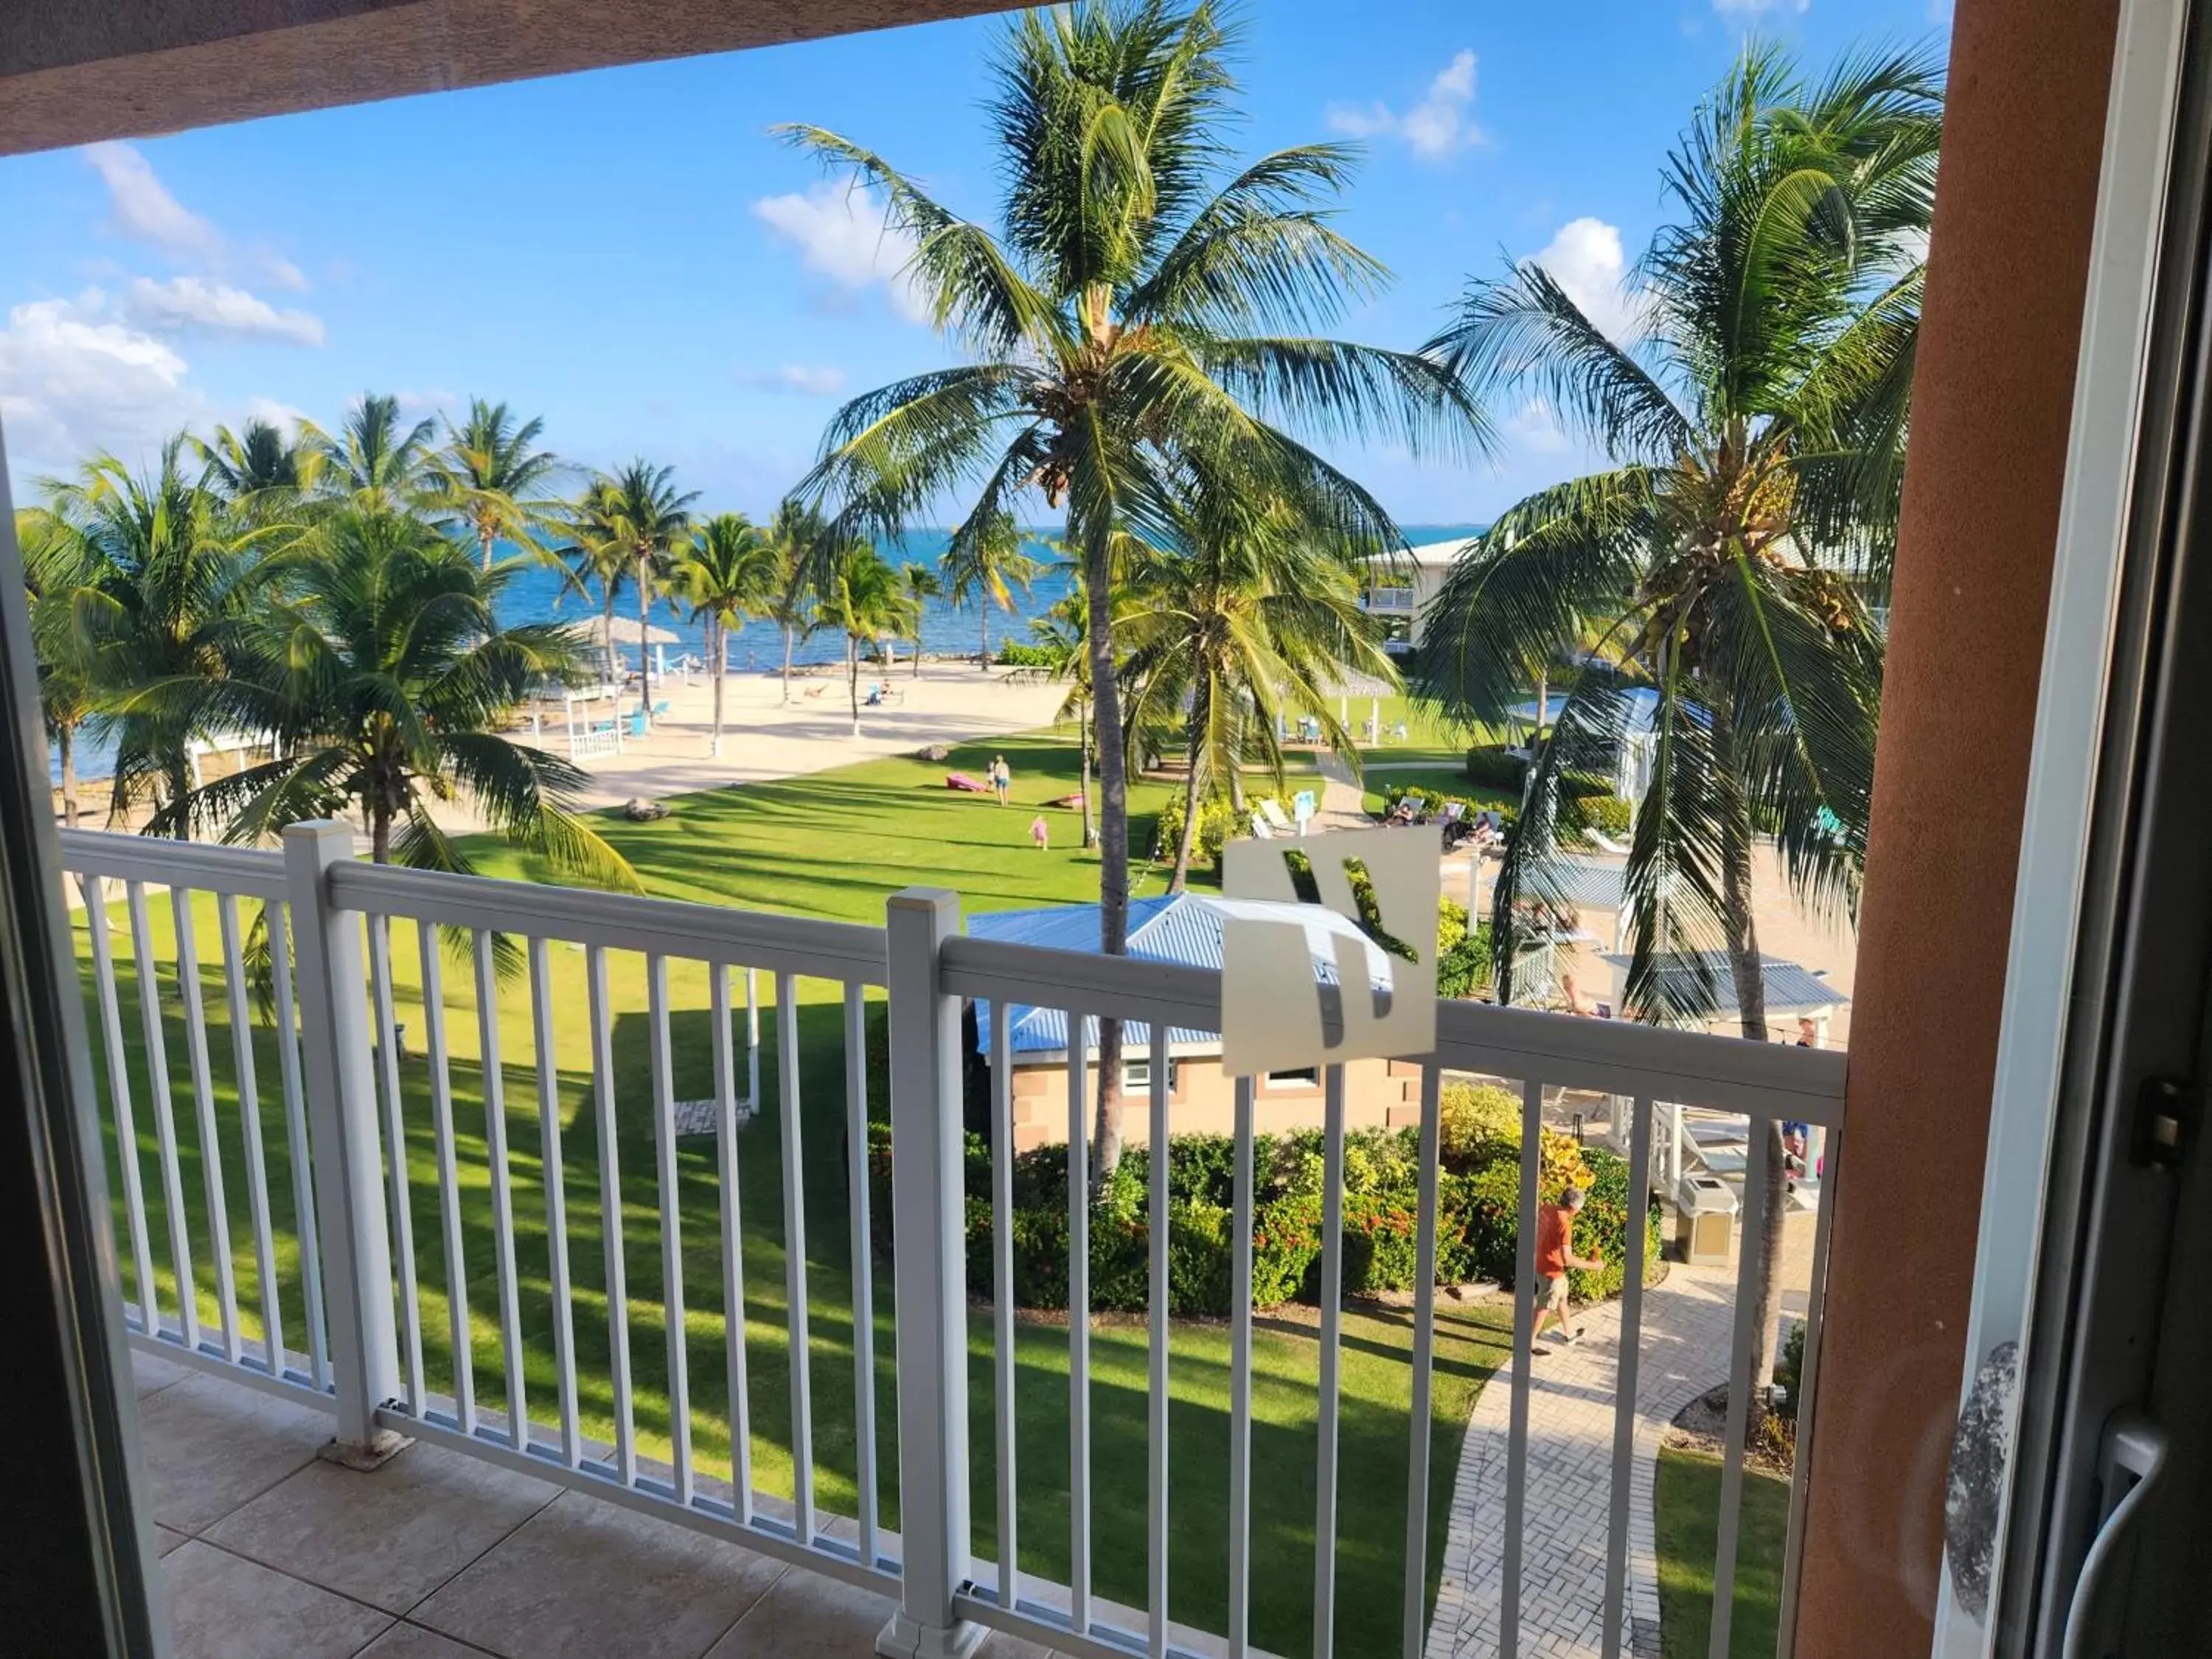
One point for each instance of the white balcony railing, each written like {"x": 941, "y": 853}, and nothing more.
{"x": 331, "y": 1204}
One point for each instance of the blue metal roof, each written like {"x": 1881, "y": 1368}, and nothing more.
{"x": 1577, "y": 884}
{"x": 1177, "y": 929}
{"x": 1791, "y": 988}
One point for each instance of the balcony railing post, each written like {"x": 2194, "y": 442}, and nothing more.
{"x": 931, "y": 1283}
{"x": 349, "y": 1161}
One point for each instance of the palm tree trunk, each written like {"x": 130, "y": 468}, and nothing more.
{"x": 714, "y": 644}
{"x": 607, "y": 611}
{"x": 1113, "y": 832}
{"x": 1748, "y": 974}
{"x": 181, "y": 791}
{"x": 787, "y": 642}
{"x": 65, "y": 739}
{"x": 917, "y": 652}
{"x": 853, "y": 678}
{"x": 483, "y": 541}
{"x": 1090, "y": 800}
{"x": 380, "y": 832}
{"x": 644, "y": 626}
{"x": 983, "y": 627}
{"x": 1188, "y": 838}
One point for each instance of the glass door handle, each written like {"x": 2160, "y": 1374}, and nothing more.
{"x": 2134, "y": 1446}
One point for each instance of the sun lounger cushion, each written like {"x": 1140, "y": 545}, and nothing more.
{"x": 962, "y": 783}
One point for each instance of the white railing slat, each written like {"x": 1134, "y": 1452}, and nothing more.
{"x": 1240, "y": 1378}
{"x": 165, "y": 1121}
{"x": 864, "y": 1299}
{"x": 733, "y": 1276}
{"x": 196, "y": 1048}
{"x": 1808, "y": 1373}
{"x": 1332, "y": 1324}
{"x": 118, "y": 1086}
{"x": 546, "y": 1053}
{"x": 1419, "y": 1407}
{"x": 249, "y": 1118}
{"x": 1002, "y": 1298}
{"x": 449, "y": 1197}
{"x": 1156, "y": 1508}
{"x": 295, "y": 1141}
{"x": 1748, "y": 1316}
{"x": 1524, "y": 1321}
{"x": 1615, "y": 1614}
{"x": 1078, "y": 1320}
{"x": 672, "y": 1235}
{"x": 395, "y": 1158}
{"x": 611, "y": 1213}
{"x": 794, "y": 1256}
{"x": 503, "y": 1192}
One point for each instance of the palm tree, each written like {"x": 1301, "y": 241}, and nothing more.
{"x": 1247, "y": 614}
{"x": 257, "y": 469}
{"x": 595, "y": 553}
{"x": 985, "y": 567}
{"x": 1756, "y": 438}
{"x": 163, "y": 584}
{"x": 729, "y": 572}
{"x": 650, "y": 519}
{"x": 489, "y": 478}
{"x": 380, "y": 665}
{"x": 796, "y": 533}
{"x": 374, "y": 460}
{"x": 1062, "y": 633}
{"x": 922, "y": 585}
{"x": 1139, "y": 297}
{"x": 864, "y": 599}
{"x": 56, "y": 562}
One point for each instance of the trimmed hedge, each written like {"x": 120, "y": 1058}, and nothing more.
{"x": 1478, "y": 1208}
{"x": 1496, "y": 769}
{"x": 1012, "y": 653}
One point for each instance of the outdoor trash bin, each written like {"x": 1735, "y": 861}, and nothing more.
{"x": 1705, "y": 1217}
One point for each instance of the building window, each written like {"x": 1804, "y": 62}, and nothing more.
{"x": 1305, "y": 1077}
{"x": 1137, "y": 1076}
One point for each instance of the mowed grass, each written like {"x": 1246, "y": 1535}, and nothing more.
{"x": 1686, "y": 1508}
{"x": 1435, "y": 781}
{"x": 832, "y": 845}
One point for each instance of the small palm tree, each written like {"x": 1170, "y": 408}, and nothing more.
{"x": 1245, "y": 612}
{"x": 163, "y": 584}
{"x": 729, "y": 572}
{"x": 797, "y": 533}
{"x": 258, "y": 469}
{"x": 380, "y": 665}
{"x": 864, "y": 599}
{"x": 595, "y": 554}
{"x": 922, "y": 585}
{"x": 56, "y": 563}
{"x": 1714, "y": 571}
{"x": 375, "y": 460}
{"x": 489, "y": 479}
{"x": 650, "y": 519}
{"x": 1138, "y": 298}
{"x": 983, "y": 567}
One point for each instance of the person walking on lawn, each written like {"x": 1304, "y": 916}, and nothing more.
{"x": 1555, "y": 1254}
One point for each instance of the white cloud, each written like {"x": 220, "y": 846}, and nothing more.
{"x": 1432, "y": 129}
{"x": 140, "y": 207}
{"x": 811, "y": 379}
{"x": 74, "y": 378}
{"x": 278, "y": 414}
{"x": 842, "y": 235}
{"x": 1533, "y": 429}
{"x": 1584, "y": 259}
{"x": 1750, "y": 8}
{"x": 429, "y": 401}
{"x": 195, "y": 303}
{"x": 286, "y": 274}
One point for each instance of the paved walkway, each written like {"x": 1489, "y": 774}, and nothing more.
{"x": 1684, "y": 1351}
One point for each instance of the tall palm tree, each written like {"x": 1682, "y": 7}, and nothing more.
{"x": 729, "y": 572}
{"x": 165, "y": 584}
{"x": 650, "y": 519}
{"x": 1755, "y": 434}
{"x": 490, "y": 480}
{"x": 374, "y": 459}
{"x": 922, "y": 585}
{"x": 984, "y": 568}
{"x": 1140, "y": 295}
{"x": 381, "y": 665}
{"x": 798, "y": 533}
{"x": 595, "y": 553}
{"x": 865, "y": 599}
{"x": 1244, "y": 615}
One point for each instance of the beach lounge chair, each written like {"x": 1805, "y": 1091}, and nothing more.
{"x": 963, "y": 783}
{"x": 1414, "y": 809}
{"x": 1259, "y": 828}
{"x": 1277, "y": 818}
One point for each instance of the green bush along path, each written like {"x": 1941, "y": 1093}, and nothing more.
{"x": 831, "y": 845}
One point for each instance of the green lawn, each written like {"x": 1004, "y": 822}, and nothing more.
{"x": 1687, "y": 1508}
{"x": 832, "y": 845}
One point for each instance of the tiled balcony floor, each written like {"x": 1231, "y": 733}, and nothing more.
{"x": 268, "y": 1552}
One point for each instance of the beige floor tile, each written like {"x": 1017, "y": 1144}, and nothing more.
{"x": 223, "y": 1607}
{"x": 807, "y": 1616}
{"x": 165, "y": 1539}
{"x": 388, "y": 1537}
{"x": 153, "y": 1373}
{"x": 405, "y": 1641}
{"x": 585, "y": 1579}
{"x": 211, "y": 1445}
{"x": 999, "y": 1645}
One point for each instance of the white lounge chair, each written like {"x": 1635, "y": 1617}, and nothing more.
{"x": 1277, "y": 818}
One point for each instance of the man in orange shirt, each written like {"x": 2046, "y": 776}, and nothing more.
{"x": 1555, "y": 1254}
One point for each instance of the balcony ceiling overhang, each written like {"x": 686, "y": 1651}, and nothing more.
{"x": 74, "y": 73}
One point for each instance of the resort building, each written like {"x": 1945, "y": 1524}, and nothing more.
{"x": 1401, "y": 594}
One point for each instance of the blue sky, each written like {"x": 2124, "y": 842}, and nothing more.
{"x": 629, "y": 254}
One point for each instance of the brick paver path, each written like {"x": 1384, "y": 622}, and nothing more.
{"x": 1684, "y": 1351}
